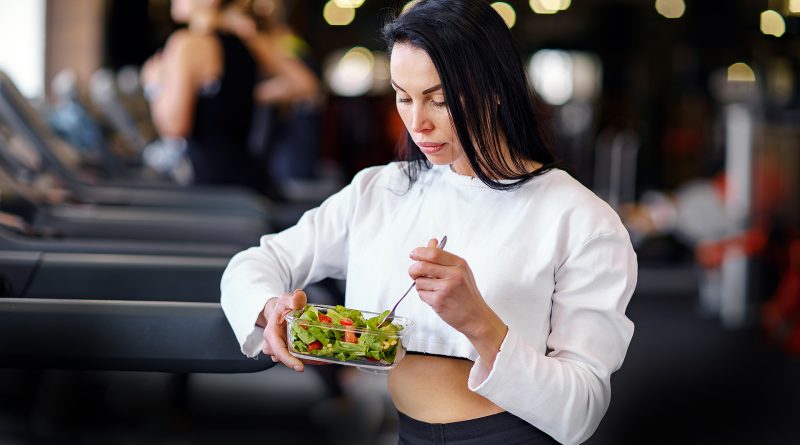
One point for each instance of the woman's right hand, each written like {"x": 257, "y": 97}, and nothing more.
{"x": 275, "y": 327}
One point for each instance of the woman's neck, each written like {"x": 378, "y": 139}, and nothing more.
{"x": 462, "y": 166}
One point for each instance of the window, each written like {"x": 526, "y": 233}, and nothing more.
{"x": 22, "y": 37}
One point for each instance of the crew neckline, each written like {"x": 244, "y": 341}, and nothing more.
{"x": 472, "y": 181}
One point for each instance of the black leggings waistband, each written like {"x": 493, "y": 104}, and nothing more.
{"x": 503, "y": 428}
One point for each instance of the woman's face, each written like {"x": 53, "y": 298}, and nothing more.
{"x": 182, "y": 10}
{"x": 422, "y": 107}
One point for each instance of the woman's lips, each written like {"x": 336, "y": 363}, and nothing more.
{"x": 430, "y": 148}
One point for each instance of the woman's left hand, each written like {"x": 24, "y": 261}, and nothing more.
{"x": 445, "y": 282}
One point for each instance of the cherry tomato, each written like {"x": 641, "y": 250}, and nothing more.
{"x": 350, "y": 336}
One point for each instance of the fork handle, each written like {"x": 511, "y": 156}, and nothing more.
{"x": 401, "y": 298}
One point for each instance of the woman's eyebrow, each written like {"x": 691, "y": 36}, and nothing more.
{"x": 432, "y": 89}
{"x": 427, "y": 91}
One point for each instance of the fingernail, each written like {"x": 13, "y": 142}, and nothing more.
{"x": 297, "y": 368}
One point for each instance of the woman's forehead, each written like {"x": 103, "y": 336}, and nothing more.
{"x": 412, "y": 68}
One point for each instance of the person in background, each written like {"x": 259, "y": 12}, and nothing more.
{"x": 204, "y": 84}
{"x": 697, "y": 215}
{"x": 521, "y": 321}
{"x": 287, "y": 128}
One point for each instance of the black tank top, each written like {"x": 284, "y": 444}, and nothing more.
{"x": 223, "y": 114}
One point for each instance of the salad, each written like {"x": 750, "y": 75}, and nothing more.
{"x": 344, "y": 335}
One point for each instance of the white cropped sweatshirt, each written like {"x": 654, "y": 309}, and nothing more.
{"x": 550, "y": 258}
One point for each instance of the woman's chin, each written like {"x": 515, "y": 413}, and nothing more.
{"x": 438, "y": 157}
{"x": 462, "y": 168}
{"x": 439, "y": 160}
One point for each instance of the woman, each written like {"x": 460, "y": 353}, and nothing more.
{"x": 204, "y": 85}
{"x": 521, "y": 320}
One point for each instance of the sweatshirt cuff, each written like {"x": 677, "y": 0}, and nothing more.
{"x": 483, "y": 381}
{"x": 242, "y": 318}
{"x": 253, "y": 342}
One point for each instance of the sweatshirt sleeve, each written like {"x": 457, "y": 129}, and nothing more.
{"x": 315, "y": 248}
{"x": 565, "y": 391}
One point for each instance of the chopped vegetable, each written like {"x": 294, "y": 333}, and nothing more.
{"x": 344, "y": 334}
{"x": 350, "y": 336}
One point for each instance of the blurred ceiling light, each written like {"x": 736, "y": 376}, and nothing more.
{"x": 350, "y": 74}
{"x": 772, "y": 23}
{"x": 552, "y": 74}
{"x": 794, "y": 6}
{"x": 741, "y": 72}
{"x": 507, "y": 12}
{"x": 549, "y": 6}
{"x": 671, "y": 9}
{"x": 545, "y": 6}
{"x": 337, "y": 16}
{"x": 566, "y": 76}
{"x": 348, "y": 3}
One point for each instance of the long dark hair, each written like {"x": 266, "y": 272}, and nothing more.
{"x": 485, "y": 86}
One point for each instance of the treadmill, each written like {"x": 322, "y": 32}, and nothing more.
{"x": 106, "y": 275}
{"x": 115, "y": 305}
{"x": 33, "y": 193}
{"x": 81, "y": 221}
{"x": 122, "y": 312}
{"x": 74, "y": 294}
{"x": 63, "y": 161}
{"x": 117, "y": 312}
{"x": 22, "y": 237}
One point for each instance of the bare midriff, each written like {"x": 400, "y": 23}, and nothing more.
{"x": 434, "y": 389}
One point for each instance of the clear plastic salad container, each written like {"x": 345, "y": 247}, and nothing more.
{"x": 335, "y": 334}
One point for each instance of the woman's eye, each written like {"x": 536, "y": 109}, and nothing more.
{"x": 439, "y": 104}
{"x": 403, "y": 100}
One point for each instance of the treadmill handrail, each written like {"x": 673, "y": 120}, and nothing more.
{"x": 120, "y": 335}
{"x": 98, "y": 260}
{"x": 104, "y": 276}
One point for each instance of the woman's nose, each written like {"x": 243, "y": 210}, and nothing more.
{"x": 420, "y": 122}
